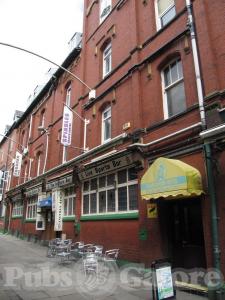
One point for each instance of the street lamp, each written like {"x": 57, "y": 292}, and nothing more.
{"x": 92, "y": 92}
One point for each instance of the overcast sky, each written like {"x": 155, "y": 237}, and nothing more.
{"x": 41, "y": 26}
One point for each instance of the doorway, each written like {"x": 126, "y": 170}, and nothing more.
{"x": 182, "y": 232}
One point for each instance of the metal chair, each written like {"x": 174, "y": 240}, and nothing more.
{"x": 90, "y": 263}
{"x": 111, "y": 256}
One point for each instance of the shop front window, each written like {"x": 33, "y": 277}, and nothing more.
{"x": 17, "y": 210}
{"x": 32, "y": 207}
{"x": 113, "y": 193}
{"x": 69, "y": 201}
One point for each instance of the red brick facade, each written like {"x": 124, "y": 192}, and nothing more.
{"x": 134, "y": 91}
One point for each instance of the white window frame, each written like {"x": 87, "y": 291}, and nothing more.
{"x": 69, "y": 198}
{"x": 107, "y": 56}
{"x": 166, "y": 88}
{"x": 38, "y": 164}
{"x": 104, "y": 4}
{"x": 68, "y": 95}
{"x": 42, "y": 121}
{"x": 114, "y": 187}
{"x": 158, "y": 16}
{"x": 31, "y": 212}
{"x": 17, "y": 210}
{"x": 26, "y": 173}
{"x": 108, "y": 109}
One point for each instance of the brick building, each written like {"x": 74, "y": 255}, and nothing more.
{"x": 144, "y": 135}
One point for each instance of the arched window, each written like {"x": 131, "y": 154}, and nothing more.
{"x": 68, "y": 95}
{"x": 38, "y": 163}
{"x": 173, "y": 88}
{"x": 105, "y": 8}
{"x": 42, "y": 118}
{"x": 165, "y": 11}
{"x": 106, "y": 124}
{"x": 107, "y": 59}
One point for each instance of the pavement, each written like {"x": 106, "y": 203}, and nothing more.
{"x": 26, "y": 273}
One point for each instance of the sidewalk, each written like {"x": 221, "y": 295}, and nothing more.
{"x": 26, "y": 273}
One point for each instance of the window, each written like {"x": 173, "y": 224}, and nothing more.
{"x": 105, "y": 8}
{"x": 173, "y": 86}
{"x": 68, "y": 95}
{"x": 107, "y": 60}
{"x": 26, "y": 172}
{"x": 69, "y": 200}
{"x": 165, "y": 11}
{"x": 106, "y": 125}
{"x": 42, "y": 118}
{"x": 32, "y": 207}
{"x": 17, "y": 209}
{"x": 113, "y": 193}
{"x": 38, "y": 164}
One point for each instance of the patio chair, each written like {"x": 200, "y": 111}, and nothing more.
{"x": 98, "y": 249}
{"x": 90, "y": 263}
{"x": 111, "y": 256}
{"x": 51, "y": 251}
{"x": 63, "y": 252}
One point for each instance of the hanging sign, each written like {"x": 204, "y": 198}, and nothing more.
{"x": 17, "y": 164}
{"x": 152, "y": 212}
{"x": 67, "y": 126}
{"x": 58, "y": 211}
{"x": 55, "y": 195}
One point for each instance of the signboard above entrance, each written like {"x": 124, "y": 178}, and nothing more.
{"x": 106, "y": 167}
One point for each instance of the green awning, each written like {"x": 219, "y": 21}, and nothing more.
{"x": 170, "y": 179}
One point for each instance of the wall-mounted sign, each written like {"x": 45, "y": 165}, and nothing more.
{"x": 34, "y": 190}
{"x": 55, "y": 196}
{"x": 17, "y": 164}
{"x": 152, "y": 212}
{"x": 58, "y": 211}
{"x": 67, "y": 126}
{"x": 109, "y": 166}
{"x": 63, "y": 181}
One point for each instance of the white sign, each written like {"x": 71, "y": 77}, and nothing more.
{"x": 106, "y": 167}
{"x": 59, "y": 211}
{"x": 67, "y": 126}
{"x": 40, "y": 222}
{"x": 17, "y": 164}
{"x": 55, "y": 196}
{"x": 164, "y": 283}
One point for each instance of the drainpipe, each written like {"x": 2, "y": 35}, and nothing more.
{"x": 207, "y": 148}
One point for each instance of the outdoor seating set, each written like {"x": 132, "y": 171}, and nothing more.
{"x": 91, "y": 254}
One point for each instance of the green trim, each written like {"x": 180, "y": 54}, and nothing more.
{"x": 133, "y": 215}
{"x": 68, "y": 218}
{"x": 17, "y": 217}
{"x": 30, "y": 221}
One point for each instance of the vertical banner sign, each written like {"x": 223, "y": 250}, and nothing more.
{"x": 58, "y": 211}
{"x": 17, "y": 164}
{"x": 55, "y": 195}
{"x": 67, "y": 126}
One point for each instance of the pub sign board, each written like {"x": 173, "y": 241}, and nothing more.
{"x": 163, "y": 281}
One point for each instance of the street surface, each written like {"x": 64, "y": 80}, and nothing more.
{"x": 26, "y": 274}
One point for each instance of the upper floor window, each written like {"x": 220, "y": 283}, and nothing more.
{"x": 42, "y": 119}
{"x": 68, "y": 95}
{"x": 173, "y": 89}
{"x": 107, "y": 60}
{"x": 105, "y": 8}
{"x": 106, "y": 125}
{"x": 38, "y": 164}
{"x": 165, "y": 11}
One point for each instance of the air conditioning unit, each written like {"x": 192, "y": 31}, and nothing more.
{"x": 40, "y": 222}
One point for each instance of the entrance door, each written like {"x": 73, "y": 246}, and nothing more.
{"x": 182, "y": 232}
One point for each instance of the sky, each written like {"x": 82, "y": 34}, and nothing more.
{"x": 41, "y": 26}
